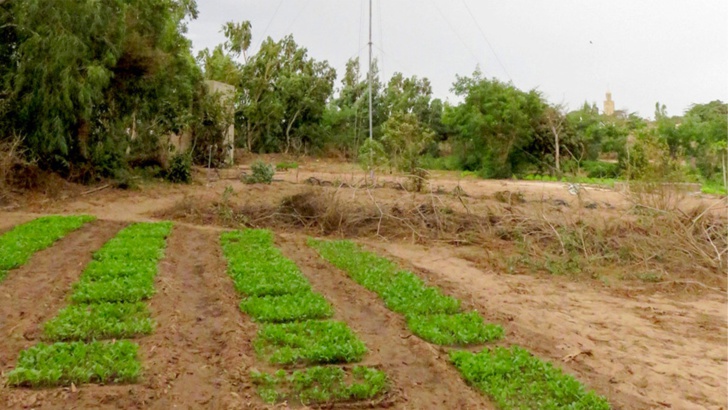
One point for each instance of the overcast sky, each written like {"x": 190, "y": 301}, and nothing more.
{"x": 644, "y": 51}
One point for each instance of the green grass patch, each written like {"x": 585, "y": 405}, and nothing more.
{"x": 287, "y": 308}
{"x": 99, "y": 321}
{"x": 258, "y": 268}
{"x": 430, "y": 314}
{"x": 286, "y": 165}
{"x": 321, "y": 385}
{"x": 311, "y": 342}
{"x": 456, "y": 329}
{"x": 61, "y": 364}
{"x": 713, "y": 188}
{"x": 515, "y": 379}
{"x": 20, "y": 243}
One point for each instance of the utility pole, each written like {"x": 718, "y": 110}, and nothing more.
{"x": 371, "y": 132}
{"x": 369, "y": 76}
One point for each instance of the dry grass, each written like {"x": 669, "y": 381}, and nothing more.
{"x": 654, "y": 242}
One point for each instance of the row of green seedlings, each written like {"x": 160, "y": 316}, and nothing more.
{"x": 512, "y": 377}
{"x": 107, "y": 305}
{"x": 21, "y": 242}
{"x": 296, "y": 328}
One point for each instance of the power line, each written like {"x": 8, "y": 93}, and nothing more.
{"x": 482, "y": 33}
{"x": 275, "y": 13}
{"x": 452, "y": 28}
{"x": 298, "y": 15}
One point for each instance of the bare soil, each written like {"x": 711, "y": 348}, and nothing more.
{"x": 419, "y": 372}
{"x": 643, "y": 345}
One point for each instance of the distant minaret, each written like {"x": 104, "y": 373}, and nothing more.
{"x": 609, "y": 105}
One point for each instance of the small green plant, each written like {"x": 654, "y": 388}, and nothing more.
{"x": 87, "y": 322}
{"x": 285, "y": 166}
{"x": 516, "y": 380}
{"x": 321, "y": 385}
{"x": 262, "y": 173}
{"x": 454, "y": 329}
{"x": 61, "y": 364}
{"x": 20, "y": 243}
{"x": 180, "y": 169}
{"x": 287, "y": 308}
{"x": 123, "y": 270}
{"x": 132, "y": 288}
{"x": 430, "y": 314}
{"x": 258, "y": 268}
{"x": 315, "y": 342}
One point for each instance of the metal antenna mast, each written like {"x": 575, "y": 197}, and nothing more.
{"x": 371, "y": 132}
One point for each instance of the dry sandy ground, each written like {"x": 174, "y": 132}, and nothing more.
{"x": 642, "y": 351}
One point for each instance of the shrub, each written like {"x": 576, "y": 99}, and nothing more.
{"x": 180, "y": 169}
{"x": 262, "y": 173}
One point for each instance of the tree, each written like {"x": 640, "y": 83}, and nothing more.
{"x": 493, "y": 125}
{"x": 81, "y": 74}
{"x": 405, "y": 139}
{"x": 283, "y": 96}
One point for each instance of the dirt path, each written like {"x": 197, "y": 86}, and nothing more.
{"x": 201, "y": 352}
{"x": 421, "y": 377}
{"x": 642, "y": 352}
{"x": 8, "y": 220}
{"x": 35, "y": 292}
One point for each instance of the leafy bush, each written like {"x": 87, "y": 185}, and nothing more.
{"x": 287, "y": 308}
{"x": 309, "y": 342}
{"x": 262, "y": 173}
{"x": 180, "y": 169}
{"x": 19, "y": 244}
{"x": 515, "y": 379}
{"x": 99, "y": 321}
{"x": 61, "y": 364}
{"x": 321, "y": 385}
{"x": 600, "y": 169}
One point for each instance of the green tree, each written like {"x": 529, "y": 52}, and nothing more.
{"x": 84, "y": 77}
{"x": 493, "y": 125}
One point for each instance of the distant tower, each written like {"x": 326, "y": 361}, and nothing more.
{"x": 609, "y": 105}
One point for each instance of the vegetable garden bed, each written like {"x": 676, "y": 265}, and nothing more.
{"x": 20, "y": 243}
{"x": 295, "y": 328}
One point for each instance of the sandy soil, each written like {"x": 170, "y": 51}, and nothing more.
{"x": 419, "y": 371}
{"x": 642, "y": 351}
{"x": 638, "y": 348}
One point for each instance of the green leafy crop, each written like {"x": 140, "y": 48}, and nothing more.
{"x": 516, "y": 380}
{"x": 430, "y": 314}
{"x": 320, "y": 385}
{"x": 100, "y": 321}
{"x": 309, "y": 342}
{"x": 61, "y": 364}
{"x": 20, "y": 243}
{"x": 258, "y": 268}
{"x": 455, "y": 329}
{"x": 287, "y": 308}
{"x": 123, "y": 270}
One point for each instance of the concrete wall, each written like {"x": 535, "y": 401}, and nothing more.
{"x": 227, "y": 97}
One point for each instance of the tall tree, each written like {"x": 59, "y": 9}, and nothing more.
{"x": 82, "y": 73}
{"x": 493, "y": 124}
